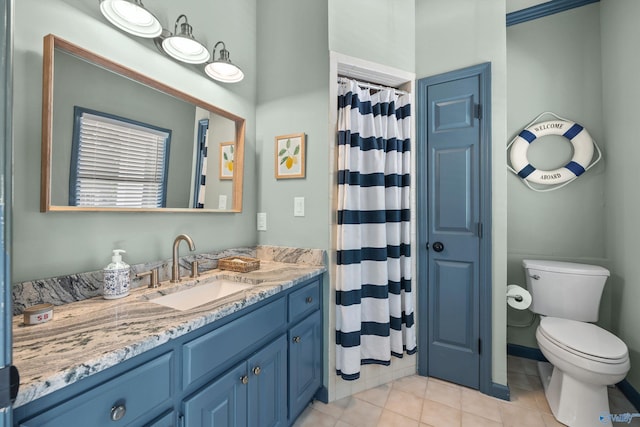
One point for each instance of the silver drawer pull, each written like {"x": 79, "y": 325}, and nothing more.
{"x": 244, "y": 379}
{"x": 296, "y": 339}
{"x": 257, "y": 370}
{"x": 309, "y": 300}
{"x": 118, "y": 411}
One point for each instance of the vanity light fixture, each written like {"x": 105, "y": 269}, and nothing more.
{"x": 222, "y": 69}
{"x": 183, "y": 46}
{"x": 131, "y": 16}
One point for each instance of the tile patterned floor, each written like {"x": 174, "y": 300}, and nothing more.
{"x": 417, "y": 401}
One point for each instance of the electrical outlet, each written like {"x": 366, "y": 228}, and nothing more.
{"x": 222, "y": 201}
{"x": 298, "y": 206}
{"x": 262, "y": 221}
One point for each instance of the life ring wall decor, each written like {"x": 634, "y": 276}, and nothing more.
{"x": 583, "y": 150}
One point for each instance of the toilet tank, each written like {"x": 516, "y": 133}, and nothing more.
{"x": 565, "y": 289}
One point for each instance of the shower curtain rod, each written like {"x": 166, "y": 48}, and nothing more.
{"x": 365, "y": 85}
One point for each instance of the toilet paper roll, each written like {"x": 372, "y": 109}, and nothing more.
{"x": 518, "y": 297}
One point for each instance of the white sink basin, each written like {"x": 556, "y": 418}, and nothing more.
{"x": 200, "y": 294}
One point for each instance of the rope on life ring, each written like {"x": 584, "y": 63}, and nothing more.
{"x": 583, "y": 147}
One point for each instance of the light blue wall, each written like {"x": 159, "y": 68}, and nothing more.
{"x": 293, "y": 87}
{"x": 55, "y": 243}
{"x": 621, "y": 91}
{"x": 380, "y": 31}
{"x": 554, "y": 65}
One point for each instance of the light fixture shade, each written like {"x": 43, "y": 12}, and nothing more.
{"x": 131, "y": 16}
{"x": 183, "y": 46}
{"x": 222, "y": 69}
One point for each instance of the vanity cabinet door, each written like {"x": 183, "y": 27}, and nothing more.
{"x": 268, "y": 385}
{"x": 222, "y": 403}
{"x": 305, "y": 363}
{"x": 251, "y": 394}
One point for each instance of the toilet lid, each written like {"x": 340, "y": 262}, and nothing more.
{"x": 587, "y": 340}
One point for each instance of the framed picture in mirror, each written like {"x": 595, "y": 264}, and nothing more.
{"x": 226, "y": 159}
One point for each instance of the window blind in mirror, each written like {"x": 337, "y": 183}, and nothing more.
{"x": 117, "y": 162}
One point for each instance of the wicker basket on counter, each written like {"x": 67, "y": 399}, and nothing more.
{"x": 240, "y": 264}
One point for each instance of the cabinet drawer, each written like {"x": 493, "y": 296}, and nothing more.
{"x": 304, "y": 301}
{"x": 137, "y": 393}
{"x": 203, "y": 355}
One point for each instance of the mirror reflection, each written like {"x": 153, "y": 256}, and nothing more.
{"x": 116, "y": 140}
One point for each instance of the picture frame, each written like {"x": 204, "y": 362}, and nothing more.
{"x": 227, "y": 154}
{"x": 290, "y": 156}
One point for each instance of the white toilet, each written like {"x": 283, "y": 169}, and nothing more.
{"x": 584, "y": 358}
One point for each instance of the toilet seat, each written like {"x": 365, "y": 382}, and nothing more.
{"x": 584, "y": 340}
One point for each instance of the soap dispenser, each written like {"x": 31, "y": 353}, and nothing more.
{"x": 116, "y": 277}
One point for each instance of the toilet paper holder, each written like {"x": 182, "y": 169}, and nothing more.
{"x": 518, "y": 298}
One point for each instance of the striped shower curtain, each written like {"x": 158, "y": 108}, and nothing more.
{"x": 374, "y": 305}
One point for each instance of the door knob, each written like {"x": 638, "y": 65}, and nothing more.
{"x": 438, "y": 246}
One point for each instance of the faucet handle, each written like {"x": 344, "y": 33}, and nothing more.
{"x": 153, "y": 277}
{"x": 194, "y": 269}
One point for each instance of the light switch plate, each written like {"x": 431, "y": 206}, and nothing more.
{"x": 298, "y": 206}
{"x": 262, "y": 221}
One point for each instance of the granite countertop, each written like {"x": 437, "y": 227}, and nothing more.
{"x": 89, "y": 336}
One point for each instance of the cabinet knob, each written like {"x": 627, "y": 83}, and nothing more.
{"x": 309, "y": 300}
{"x": 257, "y": 370}
{"x": 118, "y": 411}
{"x": 296, "y": 339}
{"x": 244, "y": 379}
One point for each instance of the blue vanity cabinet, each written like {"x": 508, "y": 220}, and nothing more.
{"x": 250, "y": 394}
{"x": 258, "y": 367}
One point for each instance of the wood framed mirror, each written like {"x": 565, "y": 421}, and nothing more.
{"x": 121, "y": 102}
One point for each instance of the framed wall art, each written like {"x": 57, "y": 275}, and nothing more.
{"x": 226, "y": 160}
{"x": 289, "y": 156}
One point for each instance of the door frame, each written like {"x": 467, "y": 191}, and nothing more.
{"x": 483, "y": 71}
{"x": 6, "y": 198}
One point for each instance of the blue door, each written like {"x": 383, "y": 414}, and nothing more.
{"x": 451, "y": 136}
{"x": 6, "y": 372}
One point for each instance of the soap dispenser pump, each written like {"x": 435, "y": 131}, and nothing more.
{"x": 116, "y": 277}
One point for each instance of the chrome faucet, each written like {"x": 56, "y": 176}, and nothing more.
{"x": 175, "y": 270}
